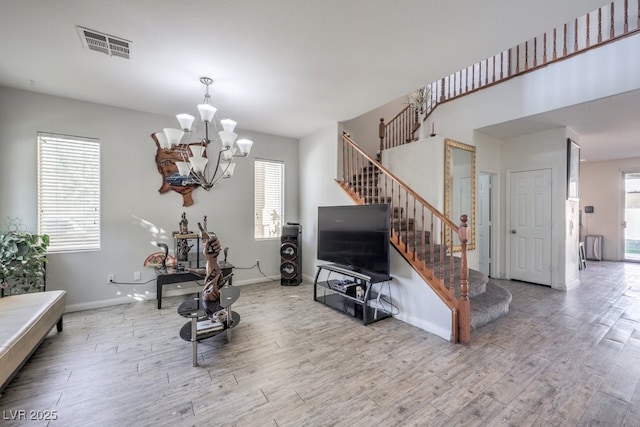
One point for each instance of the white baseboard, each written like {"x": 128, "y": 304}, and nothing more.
{"x": 151, "y": 296}
{"x": 425, "y": 326}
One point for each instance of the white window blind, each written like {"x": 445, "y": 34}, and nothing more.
{"x": 69, "y": 192}
{"x": 269, "y": 198}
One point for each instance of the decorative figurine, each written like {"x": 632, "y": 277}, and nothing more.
{"x": 184, "y": 224}
{"x": 214, "y": 279}
{"x": 183, "y": 250}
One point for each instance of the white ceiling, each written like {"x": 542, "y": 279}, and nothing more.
{"x": 285, "y": 67}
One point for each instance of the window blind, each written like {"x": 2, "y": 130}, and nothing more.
{"x": 269, "y": 199}
{"x": 69, "y": 192}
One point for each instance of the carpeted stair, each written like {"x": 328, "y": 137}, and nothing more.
{"x": 488, "y": 299}
{"x": 489, "y": 305}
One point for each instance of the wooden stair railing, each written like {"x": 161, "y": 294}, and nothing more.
{"x": 617, "y": 20}
{"x": 418, "y": 230}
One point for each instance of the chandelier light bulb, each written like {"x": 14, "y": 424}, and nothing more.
{"x": 162, "y": 140}
{"x": 245, "y": 146}
{"x": 206, "y": 112}
{"x": 185, "y": 120}
{"x": 228, "y": 154}
{"x": 197, "y": 150}
{"x": 184, "y": 168}
{"x": 227, "y": 169}
{"x": 227, "y": 138}
{"x": 228, "y": 125}
{"x": 174, "y": 136}
{"x": 198, "y": 163}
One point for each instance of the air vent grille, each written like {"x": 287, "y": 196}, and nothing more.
{"x": 105, "y": 43}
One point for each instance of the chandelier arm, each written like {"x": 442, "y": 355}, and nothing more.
{"x": 215, "y": 180}
{"x": 206, "y": 133}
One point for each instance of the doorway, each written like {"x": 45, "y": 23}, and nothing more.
{"x": 484, "y": 219}
{"x": 631, "y": 216}
{"x": 530, "y": 226}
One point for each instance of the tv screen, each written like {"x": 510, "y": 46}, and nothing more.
{"x": 356, "y": 236}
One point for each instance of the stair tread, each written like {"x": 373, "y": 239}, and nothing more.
{"x": 489, "y": 305}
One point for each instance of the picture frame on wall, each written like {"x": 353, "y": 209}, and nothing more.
{"x": 573, "y": 170}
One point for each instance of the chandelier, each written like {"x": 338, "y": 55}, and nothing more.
{"x": 195, "y": 165}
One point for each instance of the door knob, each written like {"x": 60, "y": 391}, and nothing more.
{"x": 513, "y": 231}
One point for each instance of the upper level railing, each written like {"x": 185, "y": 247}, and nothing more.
{"x": 614, "y": 21}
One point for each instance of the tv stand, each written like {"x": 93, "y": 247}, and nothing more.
{"x": 343, "y": 295}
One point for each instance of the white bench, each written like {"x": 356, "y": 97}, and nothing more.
{"x": 25, "y": 320}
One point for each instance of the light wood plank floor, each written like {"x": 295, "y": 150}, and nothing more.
{"x": 557, "y": 359}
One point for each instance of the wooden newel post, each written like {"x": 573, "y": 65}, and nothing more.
{"x": 381, "y": 131}
{"x": 464, "y": 325}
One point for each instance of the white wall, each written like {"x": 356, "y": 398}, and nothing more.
{"x": 544, "y": 150}
{"x": 602, "y": 186}
{"x": 365, "y": 128}
{"x": 133, "y": 212}
{"x": 420, "y": 165}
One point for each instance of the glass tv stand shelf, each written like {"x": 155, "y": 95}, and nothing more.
{"x": 355, "y": 293}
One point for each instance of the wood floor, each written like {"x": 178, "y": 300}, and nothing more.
{"x": 557, "y": 359}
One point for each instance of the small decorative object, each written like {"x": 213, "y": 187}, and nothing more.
{"x": 420, "y": 99}
{"x": 205, "y": 235}
{"x": 183, "y": 250}
{"x": 160, "y": 260}
{"x": 184, "y": 224}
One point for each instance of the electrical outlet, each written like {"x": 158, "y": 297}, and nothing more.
{"x": 136, "y": 275}
{"x": 111, "y": 278}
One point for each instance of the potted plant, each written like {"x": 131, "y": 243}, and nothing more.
{"x": 420, "y": 100}
{"x": 22, "y": 261}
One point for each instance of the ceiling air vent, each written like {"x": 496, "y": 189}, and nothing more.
{"x": 105, "y": 43}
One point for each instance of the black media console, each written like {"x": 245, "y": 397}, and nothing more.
{"x": 353, "y": 293}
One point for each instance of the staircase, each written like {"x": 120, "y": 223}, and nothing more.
{"x": 417, "y": 229}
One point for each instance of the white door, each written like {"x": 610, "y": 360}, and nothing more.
{"x": 530, "y": 226}
{"x": 631, "y": 221}
{"x": 483, "y": 224}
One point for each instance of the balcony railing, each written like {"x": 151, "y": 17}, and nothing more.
{"x": 617, "y": 20}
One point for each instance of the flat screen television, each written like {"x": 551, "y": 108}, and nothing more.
{"x": 356, "y": 236}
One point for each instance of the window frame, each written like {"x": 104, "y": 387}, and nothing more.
{"x": 69, "y": 192}
{"x": 256, "y": 224}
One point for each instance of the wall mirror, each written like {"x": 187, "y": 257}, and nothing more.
{"x": 460, "y": 189}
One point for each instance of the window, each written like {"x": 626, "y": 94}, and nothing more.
{"x": 269, "y": 199}
{"x": 69, "y": 192}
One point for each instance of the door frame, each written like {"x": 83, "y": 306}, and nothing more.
{"x": 623, "y": 214}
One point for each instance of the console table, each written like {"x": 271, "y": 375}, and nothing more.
{"x": 343, "y": 295}
{"x": 171, "y": 275}
{"x": 191, "y": 309}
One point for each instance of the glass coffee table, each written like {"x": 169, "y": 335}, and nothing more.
{"x": 192, "y": 310}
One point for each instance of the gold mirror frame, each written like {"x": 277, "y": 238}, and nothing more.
{"x": 449, "y": 211}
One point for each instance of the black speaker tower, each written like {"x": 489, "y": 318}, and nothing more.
{"x": 291, "y": 254}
